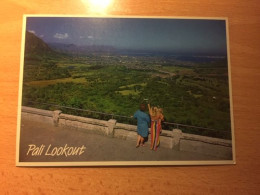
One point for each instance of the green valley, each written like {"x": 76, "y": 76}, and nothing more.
{"x": 190, "y": 93}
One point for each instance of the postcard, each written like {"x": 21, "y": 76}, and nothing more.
{"x": 124, "y": 91}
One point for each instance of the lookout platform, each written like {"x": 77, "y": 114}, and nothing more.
{"x": 98, "y": 147}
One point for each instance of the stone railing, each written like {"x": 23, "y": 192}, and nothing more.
{"x": 174, "y": 139}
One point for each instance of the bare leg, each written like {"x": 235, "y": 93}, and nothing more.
{"x": 142, "y": 141}
{"x": 138, "y": 141}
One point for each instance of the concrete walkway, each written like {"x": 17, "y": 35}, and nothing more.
{"x": 97, "y": 147}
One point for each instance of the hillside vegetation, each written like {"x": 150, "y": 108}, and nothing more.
{"x": 190, "y": 93}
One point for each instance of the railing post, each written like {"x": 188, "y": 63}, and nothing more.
{"x": 56, "y": 116}
{"x": 176, "y": 137}
{"x": 111, "y": 127}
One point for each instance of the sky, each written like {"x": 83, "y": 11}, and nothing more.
{"x": 147, "y": 34}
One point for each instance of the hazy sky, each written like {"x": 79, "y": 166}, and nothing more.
{"x": 171, "y": 35}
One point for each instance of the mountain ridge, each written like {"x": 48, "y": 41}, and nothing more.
{"x": 35, "y": 45}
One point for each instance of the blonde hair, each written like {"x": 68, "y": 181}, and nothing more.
{"x": 154, "y": 111}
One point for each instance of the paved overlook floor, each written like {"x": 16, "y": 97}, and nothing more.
{"x": 98, "y": 147}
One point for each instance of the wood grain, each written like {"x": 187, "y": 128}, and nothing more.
{"x": 242, "y": 178}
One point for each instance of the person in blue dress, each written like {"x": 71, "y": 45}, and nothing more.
{"x": 143, "y": 121}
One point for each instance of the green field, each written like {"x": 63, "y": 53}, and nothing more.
{"x": 44, "y": 83}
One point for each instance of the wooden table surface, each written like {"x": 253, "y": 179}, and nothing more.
{"x": 242, "y": 178}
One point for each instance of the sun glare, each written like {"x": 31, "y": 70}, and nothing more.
{"x": 97, "y": 6}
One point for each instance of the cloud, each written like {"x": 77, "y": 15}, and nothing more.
{"x": 61, "y": 36}
{"x": 32, "y": 31}
{"x": 41, "y": 36}
{"x": 89, "y": 37}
